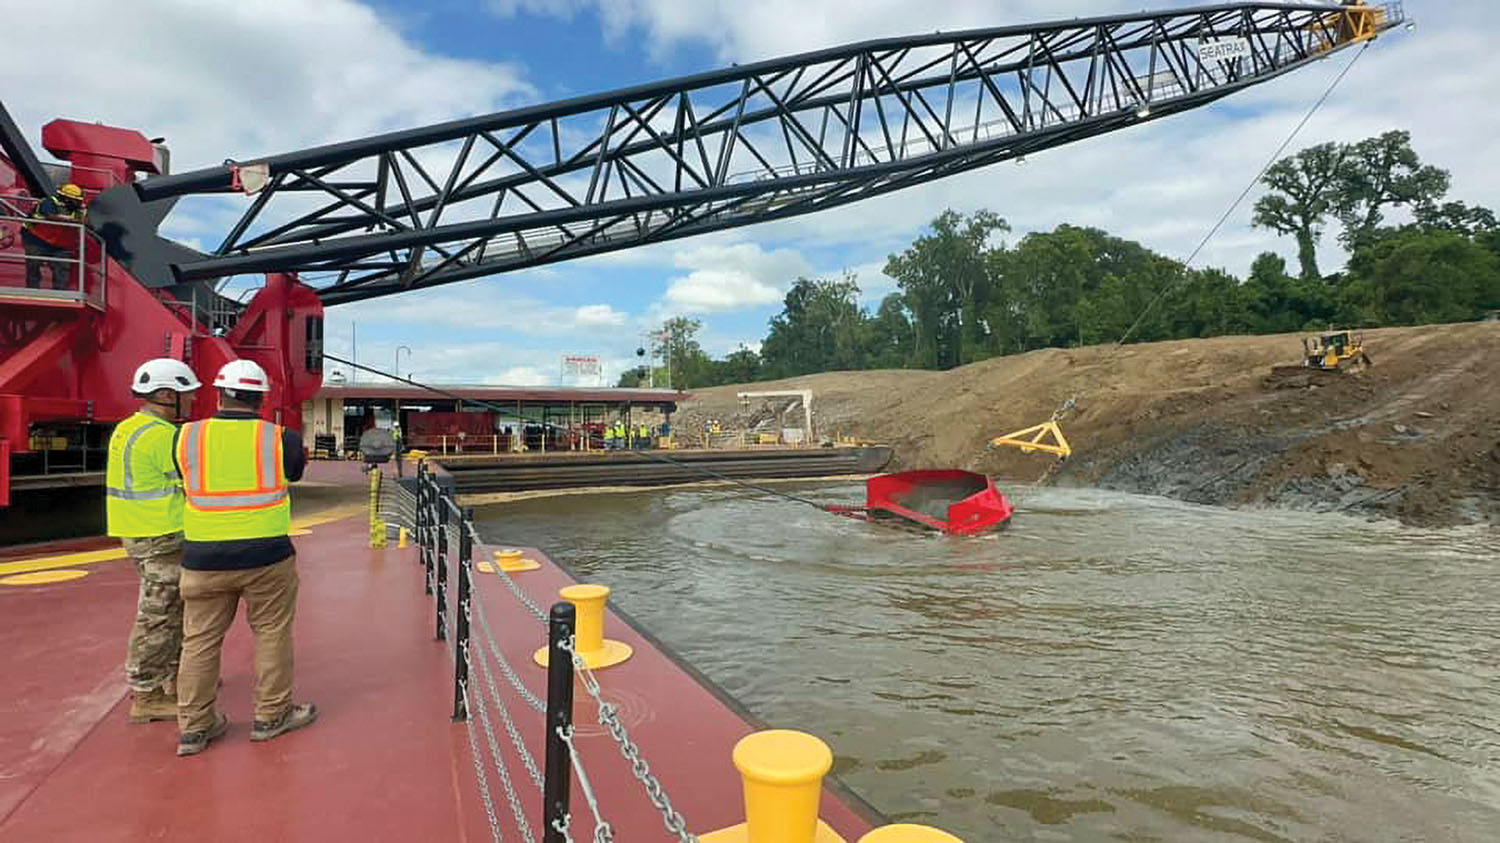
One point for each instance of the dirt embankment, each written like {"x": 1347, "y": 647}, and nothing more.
{"x": 1415, "y": 437}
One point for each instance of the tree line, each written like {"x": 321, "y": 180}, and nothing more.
{"x": 965, "y": 292}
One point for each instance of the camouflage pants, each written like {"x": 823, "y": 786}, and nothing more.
{"x": 156, "y": 640}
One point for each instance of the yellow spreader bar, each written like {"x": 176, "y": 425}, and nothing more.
{"x": 1034, "y": 439}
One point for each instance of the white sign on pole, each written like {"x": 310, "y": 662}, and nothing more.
{"x": 1223, "y": 49}
{"x": 580, "y": 366}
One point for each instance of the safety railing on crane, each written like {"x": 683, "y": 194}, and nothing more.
{"x": 48, "y": 261}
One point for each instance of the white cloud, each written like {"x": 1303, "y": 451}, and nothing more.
{"x": 733, "y": 277}
{"x": 223, "y": 78}
{"x": 520, "y": 376}
{"x": 598, "y": 314}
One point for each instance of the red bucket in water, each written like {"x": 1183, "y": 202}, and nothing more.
{"x": 957, "y": 502}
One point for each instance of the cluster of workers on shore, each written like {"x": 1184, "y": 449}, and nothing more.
{"x": 204, "y": 512}
{"x": 620, "y": 436}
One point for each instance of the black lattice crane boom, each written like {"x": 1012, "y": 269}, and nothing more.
{"x": 762, "y": 141}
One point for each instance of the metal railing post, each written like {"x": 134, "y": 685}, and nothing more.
{"x": 421, "y": 518}
{"x": 558, "y": 775}
{"x": 441, "y": 584}
{"x": 430, "y": 505}
{"x": 461, "y": 664}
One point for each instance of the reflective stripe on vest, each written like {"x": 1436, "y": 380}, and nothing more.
{"x": 235, "y": 483}
{"x": 143, "y": 498}
{"x": 193, "y": 453}
{"x": 127, "y": 490}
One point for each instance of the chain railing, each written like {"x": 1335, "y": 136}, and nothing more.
{"x": 445, "y": 534}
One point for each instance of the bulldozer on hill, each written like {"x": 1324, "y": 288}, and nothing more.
{"x": 1333, "y": 352}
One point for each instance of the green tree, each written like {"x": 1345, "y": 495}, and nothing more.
{"x": 891, "y": 338}
{"x": 820, "y": 328}
{"x": 1304, "y": 190}
{"x": 1457, "y": 216}
{"x": 1383, "y": 172}
{"x": 687, "y": 364}
{"x": 740, "y": 366}
{"x": 1411, "y": 276}
{"x": 632, "y": 378}
{"x": 947, "y": 282}
{"x": 1275, "y": 302}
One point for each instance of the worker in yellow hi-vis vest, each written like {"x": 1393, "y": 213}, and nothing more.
{"x": 235, "y": 470}
{"x": 143, "y": 508}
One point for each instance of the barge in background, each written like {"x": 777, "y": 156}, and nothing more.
{"x": 521, "y": 472}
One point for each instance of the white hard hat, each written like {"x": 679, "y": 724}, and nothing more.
{"x": 163, "y": 373}
{"x": 246, "y": 375}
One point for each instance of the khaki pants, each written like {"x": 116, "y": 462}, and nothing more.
{"x": 156, "y": 638}
{"x": 210, "y": 599}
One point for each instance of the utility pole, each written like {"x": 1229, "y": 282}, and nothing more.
{"x": 667, "y": 331}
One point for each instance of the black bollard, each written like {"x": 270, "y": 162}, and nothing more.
{"x": 558, "y": 777}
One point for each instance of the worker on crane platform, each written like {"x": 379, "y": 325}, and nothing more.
{"x": 55, "y": 247}
{"x": 235, "y": 469}
{"x": 143, "y": 508}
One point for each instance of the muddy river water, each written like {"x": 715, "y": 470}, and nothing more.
{"x": 1111, "y": 667}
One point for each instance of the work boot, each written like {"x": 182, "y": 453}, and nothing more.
{"x": 152, "y": 705}
{"x": 292, "y": 719}
{"x": 192, "y": 743}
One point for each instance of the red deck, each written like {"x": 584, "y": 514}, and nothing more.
{"x": 384, "y": 762}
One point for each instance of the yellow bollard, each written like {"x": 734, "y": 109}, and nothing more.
{"x": 588, "y": 631}
{"x": 512, "y": 561}
{"x": 783, "y": 773}
{"x": 908, "y": 833}
{"x": 401, "y": 537}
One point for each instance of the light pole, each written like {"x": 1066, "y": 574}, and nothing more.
{"x": 399, "y": 349}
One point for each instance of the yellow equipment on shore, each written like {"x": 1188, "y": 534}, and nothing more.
{"x": 1328, "y": 354}
{"x": 1335, "y": 351}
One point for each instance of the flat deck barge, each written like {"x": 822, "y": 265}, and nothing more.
{"x": 385, "y": 761}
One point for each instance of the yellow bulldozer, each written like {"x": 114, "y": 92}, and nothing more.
{"x": 1332, "y": 352}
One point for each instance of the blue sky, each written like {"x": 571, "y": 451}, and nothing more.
{"x": 222, "y": 78}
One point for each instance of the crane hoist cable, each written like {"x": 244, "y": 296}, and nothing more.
{"x": 707, "y": 472}
{"x": 1034, "y": 438}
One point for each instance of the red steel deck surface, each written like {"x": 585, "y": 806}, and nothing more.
{"x": 384, "y": 761}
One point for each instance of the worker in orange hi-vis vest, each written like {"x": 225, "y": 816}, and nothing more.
{"x": 235, "y": 470}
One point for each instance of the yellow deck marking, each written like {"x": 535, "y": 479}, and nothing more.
{"x": 63, "y": 560}
{"x": 43, "y": 577}
{"x": 89, "y": 557}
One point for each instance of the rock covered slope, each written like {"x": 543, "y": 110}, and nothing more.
{"x": 1416, "y": 437}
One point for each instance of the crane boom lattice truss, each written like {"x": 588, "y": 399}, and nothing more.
{"x": 763, "y": 141}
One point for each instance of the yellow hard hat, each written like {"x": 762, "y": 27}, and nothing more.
{"x": 72, "y": 191}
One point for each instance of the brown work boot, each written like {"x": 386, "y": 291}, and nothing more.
{"x": 192, "y": 743}
{"x": 292, "y": 719}
{"x": 152, "y": 705}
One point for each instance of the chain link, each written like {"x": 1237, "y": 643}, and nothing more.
{"x": 510, "y": 725}
{"x": 505, "y": 667}
{"x": 483, "y": 780}
{"x": 610, "y": 719}
{"x": 510, "y": 789}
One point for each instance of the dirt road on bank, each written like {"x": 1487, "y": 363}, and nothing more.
{"x": 1416, "y": 437}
